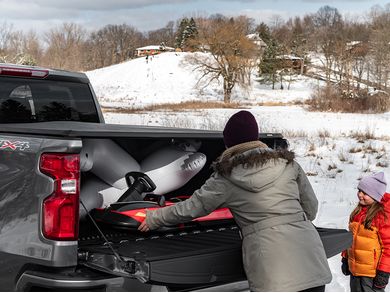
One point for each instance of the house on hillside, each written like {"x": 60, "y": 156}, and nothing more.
{"x": 152, "y": 50}
{"x": 290, "y": 61}
{"x": 257, "y": 41}
{"x": 357, "y": 48}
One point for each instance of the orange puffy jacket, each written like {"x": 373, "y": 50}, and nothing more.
{"x": 370, "y": 250}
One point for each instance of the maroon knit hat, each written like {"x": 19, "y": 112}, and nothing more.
{"x": 241, "y": 127}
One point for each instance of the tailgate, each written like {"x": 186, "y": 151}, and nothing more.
{"x": 201, "y": 257}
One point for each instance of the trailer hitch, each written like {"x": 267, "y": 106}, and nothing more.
{"x": 135, "y": 267}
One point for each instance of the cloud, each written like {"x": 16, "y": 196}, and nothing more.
{"x": 145, "y": 15}
{"x": 338, "y": 1}
{"x": 91, "y": 5}
{"x": 42, "y": 15}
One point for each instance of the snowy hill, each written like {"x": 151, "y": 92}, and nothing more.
{"x": 168, "y": 78}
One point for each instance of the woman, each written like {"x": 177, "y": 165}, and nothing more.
{"x": 272, "y": 202}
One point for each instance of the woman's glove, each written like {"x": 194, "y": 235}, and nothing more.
{"x": 381, "y": 279}
{"x": 344, "y": 266}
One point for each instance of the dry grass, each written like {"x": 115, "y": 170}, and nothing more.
{"x": 324, "y": 133}
{"x": 361, "y": 136}
{"x": 311, "y": 173}
{"x": 193, "y": 105}
{"x": 295, "y": 133}
{"x": 343, "y": 157}
{"x": 383, "y": 164}
{"x": 371, "y": 149}
{"x": 332, "y": 98}
{"x": 190, "y": 105}
{"x": 312, "y": 147}
{"x": 354, "y": 150}
{"x": 275, "y": 104}
{"x": 366, "y": 169}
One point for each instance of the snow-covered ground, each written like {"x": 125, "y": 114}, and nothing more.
{"x": 168, "y": 78}
{"x": 333, "y": 148}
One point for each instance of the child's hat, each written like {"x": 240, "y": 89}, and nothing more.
{"x": 374, "y": 185}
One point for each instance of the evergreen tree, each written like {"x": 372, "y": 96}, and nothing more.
{"x": 179, "y": 34}
{"x": 264, "y": 32}
{"x": 193, "y": 27}
{"x": 187, "y": 31}
{"x": 270, "y": 63}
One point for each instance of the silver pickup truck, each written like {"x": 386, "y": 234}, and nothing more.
{"x": 61, "y": 165}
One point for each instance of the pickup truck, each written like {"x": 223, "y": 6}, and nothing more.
{"x": 48, "y": 239}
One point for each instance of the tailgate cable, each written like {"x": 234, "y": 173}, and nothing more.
{"x": 118, "y": 265}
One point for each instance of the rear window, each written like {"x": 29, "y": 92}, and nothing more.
{"x": 30, "y": 100}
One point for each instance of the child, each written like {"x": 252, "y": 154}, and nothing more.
{"x": 368, "y": 259}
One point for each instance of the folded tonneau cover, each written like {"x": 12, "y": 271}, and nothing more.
{"x": 199, "y": 257}
{"x": 88, "y": 129}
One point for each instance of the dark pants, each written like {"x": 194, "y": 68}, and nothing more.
{"x": 315, "y": 289}
{"x": 363, "y": 284}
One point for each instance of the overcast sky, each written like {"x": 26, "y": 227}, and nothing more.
{"x": 146, "y": 15}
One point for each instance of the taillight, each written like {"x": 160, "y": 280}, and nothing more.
{"x": 20, "y": 71}
{"x": 60, "y": 211}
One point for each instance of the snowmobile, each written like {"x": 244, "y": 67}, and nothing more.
{"x": 130, "y": 209}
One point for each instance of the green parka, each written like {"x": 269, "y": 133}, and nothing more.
{"x": 273, "y": 203}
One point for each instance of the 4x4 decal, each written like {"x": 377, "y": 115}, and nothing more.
{"x": 14, "y": 145}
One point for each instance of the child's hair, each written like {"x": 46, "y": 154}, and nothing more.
{"x": 372, "y": 211}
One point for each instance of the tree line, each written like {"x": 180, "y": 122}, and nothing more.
{"x": 69, "y": 46}
{"x": 353, "y": 50}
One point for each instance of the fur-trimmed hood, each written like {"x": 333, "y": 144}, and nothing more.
{"x": 243, "y": 163}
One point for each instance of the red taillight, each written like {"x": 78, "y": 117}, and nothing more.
{"x": 20, "y": 71}
{"x": 61, "y": 209}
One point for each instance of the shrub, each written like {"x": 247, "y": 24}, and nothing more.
{"x": 335, "y": 99}
{"x": 363, "y": 136}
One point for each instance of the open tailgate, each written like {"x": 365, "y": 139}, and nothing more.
{"x": 199, "y": 257}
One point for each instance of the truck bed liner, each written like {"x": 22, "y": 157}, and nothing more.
{"x": 173, "y": 245}
{"x": 214, "y": 255}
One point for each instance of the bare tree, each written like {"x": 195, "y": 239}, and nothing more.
{"x": 65, "y": 46}
{"x": 123, "y": 40}
{"x": 32, "y": 46}
{"x": 229, "y": 56}
{"x": 112, "y": 44}
{"x": 25, "y": 48}
{"x": 18, "y": 47}
{"x": 164, "y": 35}
{"x": 380, "y": 40}
{"x": 5, "y": 38}
{"x": 276, "y": 22}
{"x": 328, "y": 22}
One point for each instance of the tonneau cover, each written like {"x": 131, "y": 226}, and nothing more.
{"x": 86, "y": 129}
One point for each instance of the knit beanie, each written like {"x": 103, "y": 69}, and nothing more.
{"x": 241, "y": 127}
{"x": 374, "y": 185}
